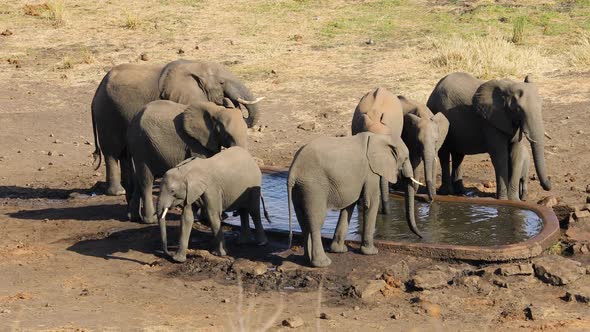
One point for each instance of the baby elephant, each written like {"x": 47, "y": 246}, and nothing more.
{"x": 333, "y": 173}
{"x": 214, "y": 185}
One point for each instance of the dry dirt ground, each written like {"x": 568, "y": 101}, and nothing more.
{"x": 70, "y": 262}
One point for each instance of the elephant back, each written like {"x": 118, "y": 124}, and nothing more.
{"x": 377, "y": 109}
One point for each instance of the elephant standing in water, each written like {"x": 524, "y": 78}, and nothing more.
{"x": 127, "y": 88}
{"x": 489, "y": 117}
{"x": 214, "y": 185}
{"x": 165, "y": 133}
{"x": 424, "y": 133}
{"x": 334, "y": 173}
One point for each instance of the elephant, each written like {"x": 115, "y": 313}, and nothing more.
{"x": 379, "y": 111}
{"x": 165, "y": 133}
{"x": 520, "y": 159}
{"x": 488, "y": 117}
{"x": 424, "y": 134}
{"x": 214, "y": 185}
{"x": 334, "y": 173}
{"x": 127, "y": 88}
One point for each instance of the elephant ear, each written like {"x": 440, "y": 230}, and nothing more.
{"x": 199, "y": 123}
{"x": 442, "y": 123}
{"x": 382, "y": 157}
{"x": 195, "y": 188}
{"x": 189, "y": 82}
{"x": 491, "y": 103}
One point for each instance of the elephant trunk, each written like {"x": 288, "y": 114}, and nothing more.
{"x": 429, "y": 174}
{"x": 410, "y": 192}
{"x": 235, "y": 91}
{"x": 537, "y": 140}
{"x": 161, "y": 212}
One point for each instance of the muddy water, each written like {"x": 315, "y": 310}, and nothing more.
{"x": 449, "y": 223}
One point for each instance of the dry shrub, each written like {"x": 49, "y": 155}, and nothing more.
{"x": 132, "y": 21}
{"x": 66, "y": 63}
{"x": 487, "y": 57}
{"x": 579, "y": 54}
{"x": 87, "y": 56}
{"x": 56, "y": 12}
{"x": 35, "y": 10}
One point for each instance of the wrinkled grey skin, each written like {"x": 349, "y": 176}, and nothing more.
{"x": 488, "y": 117}
{"x": 214, "y": 185}
{"x": 165, "y": 133}
{"x": 380, "y": 112}
{"x": 424, "y": 133}
{"x": 127, "y": 88}
{"x": 334, "y": 173}
{"x": 520, "y": 159}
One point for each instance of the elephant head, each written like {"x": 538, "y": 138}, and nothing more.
{"x": 177, "y": 189}
{"x": 215, "y": 126}
{"x": 377, "y": 112}
{"x": 188, "y": 82}
{"x": 424, "y": 133}
{"x": 515, "y": 109}
{"x": 388, "y": 156}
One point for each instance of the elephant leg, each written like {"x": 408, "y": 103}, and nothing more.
{"x": 114, "y": 187}
{"x": 444, "y": 158}
{"x": 385, "y": 206}
{"x": 187, "y": 220}
{"x": 514, "y": 186}
{"x": 457, "y": 174}
{"x": 145, "y": 182}
{"x": 257, "y": 219}
{"x": 301, "y": 218}
{"x": 370, "y": 217}
{"x": 127, "y": 177}
{"x": 245, "y": 233}
{"x": 499, "y": 156}
{"x": 311, "y": 217}
{"x": 215, "y": 220}
{"x": 341, "y": 231}
{"x": 134, "y": 205}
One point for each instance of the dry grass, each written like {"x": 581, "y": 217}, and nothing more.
{"x": 132, "y": 21}
{"x": 488, "y": 56}
{"x": 579, "y": 55}
{"x": 87, "y": 56}
{"x": 518, "y": 29}
{"x": 66, "y": 63}
{"x": 56, "y": 11}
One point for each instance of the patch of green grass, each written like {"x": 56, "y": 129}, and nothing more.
{"x": 518, "y": 29}
{"x": 376, "y": 18}
{"x": 193, "y": 3}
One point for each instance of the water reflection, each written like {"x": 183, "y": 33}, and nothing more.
{"x": 449, "y": 223}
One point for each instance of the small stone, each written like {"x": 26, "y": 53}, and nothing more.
{"x": 579, "y": 294}
{"x": 367, "y": 289}
{"x": 370, "y": 41}
{"x": 50, "y": 153}
{"x": 5, "y": 311}
{"x": 42, "y": 168}
{"x": 58, "y": 141}
{"x": 231, "y": 42}
{"x": 557, "y": 270}
{"x": 399, "y": 270}
{"x": 581, "y": 214}
{"x": 500, "y": 283}
{"x": 429, "y": 279}
{"x": 515, "y": 269}
{"x": 293, "y": 322}
{"x": 180, "y": 51}
{"x": 249, "y": 267}
{"x": 225, "y": 301}
{"x": 307, "y": 126}
{"x": 324, "y": 315}
{"x": 88, "y": 143}
{"x": 51, "y": 135}
{"x": 396, "y": 316}
{"x": 343, "y": 314}
{"x": 356, "y": 308}
{"x": 536, "y": 312}
{"x": 549, "y": 201}
{"x": 18, "y": 151}
{"x": 61, "y": 154}
{"x": 144, "y": 56}
{"x": 6, "y": 33}
{"x": 196, "y": 47}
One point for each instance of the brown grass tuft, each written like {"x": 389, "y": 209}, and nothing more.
{"x": 87, "y": 56}
{"x": 132, "y": 21}
{"x": 579, "y": 54}
{"x": 56, "y": 12}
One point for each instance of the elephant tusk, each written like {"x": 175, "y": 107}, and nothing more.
{"x": 163, "y": 217}
{"x": 529, "y": 138}
{"x": 250, "y": 102}
{"x": 547, "y": 135}
{"x": 416, "y": 181}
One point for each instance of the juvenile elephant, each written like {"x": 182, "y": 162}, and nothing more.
{"x": 214, "y": 185}
{"x": 488, "y": 117}
{"x": 127, "y": 88}
{"x": 380, "y": 112}
{"x": 165, "y": 133}
{"x": 333, "y": 173}
{"x": 424, "y": 133}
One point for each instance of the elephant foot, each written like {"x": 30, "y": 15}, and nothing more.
{"x": 458, "y": 188}
{"x": 369, "y": 250}
{"x": 261, "y": 240}
{"x": 220, "y": 252}
{"x": 385, "y": 209}
{"x": 150, "y": 220}
{"x": 338, "y": 247}
{"x": 321, "y": 261}
{"x": 179, "y": 258}
{"x": 115, "y": 190}
{"x": 443, "y": 190}
{"x": 133, "y": 217}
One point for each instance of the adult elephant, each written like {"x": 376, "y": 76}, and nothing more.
{"x": 127, "y": 88}
{"x": 488, "y": 117}
{"x": 165, "y": 133}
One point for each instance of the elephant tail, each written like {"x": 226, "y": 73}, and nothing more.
{"x": 264, "y": 209}
{"x": 97, "y": 153}
{"x": 289, "y": 189}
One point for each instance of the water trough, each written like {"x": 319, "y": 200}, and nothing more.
{"x": 475, "y": 229}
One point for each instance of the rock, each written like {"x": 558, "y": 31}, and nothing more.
{"x": 588, "y": 188}
{"x": 287, "y": 266}
{"x": 206, "y": 255}
{"x": 180, "y": 51}
{"x": 144, "y": 56}
{"x": 431, "y": 309}
{"x": 5, "y": 311}
{"x": 537, "y": 312}
{"x": 249, "y": 267}
{"x": 557, "y": 270}
{"x": 42, "y": 168}
{"x": 549, "y": 201}
{"x": 515, "y": 269}
{"x": 429, "y": 279}
{"x": 356, "y": 308}
{"x": 58, "y": 141}
{"x": 324, "y": 315}
{"x": 399, "y": 271}
{"x": 307, "y": 126}
{"x": 365, "y": 290}
{"x": 580, "y": 294}
{"x": 396, "y": 316}
{"x": 370, "y": 41}
{"x": 577, "y": 234}
{"x": 581, "y": 214}
{"x": 500, "y": 282}
{"x": 6, "y": 33}
{"x": 51, "y": 153}
{"x": 293, "y": 322}
{"x": 488, "y": 184}
{"x": 225, "y": 301}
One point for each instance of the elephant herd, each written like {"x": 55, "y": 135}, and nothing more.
{"x": 186, "y": 122}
